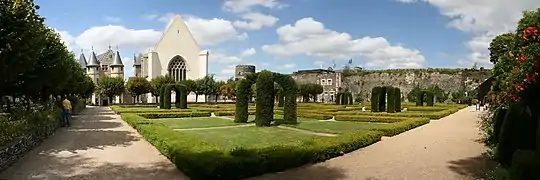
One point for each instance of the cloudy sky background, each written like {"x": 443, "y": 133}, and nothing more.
{"x": 287, "y": 35}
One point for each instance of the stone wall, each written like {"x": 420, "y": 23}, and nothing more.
{"x": 454, "y": 81}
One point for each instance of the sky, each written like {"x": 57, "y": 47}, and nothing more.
{"x": 290, "y": 35}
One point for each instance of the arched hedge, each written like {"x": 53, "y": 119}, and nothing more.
{"x": 386, "y": 98}
{"x": 339, "y": 97}
{"x": 264, "y": 109}
{"x": 180, "y": 97}
{"x": 344, "y": 98}
{"x": 427, "y": 95}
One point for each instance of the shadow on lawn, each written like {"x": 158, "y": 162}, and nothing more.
{"x": 474, "y": 167}
{"x": 309, "y": 172}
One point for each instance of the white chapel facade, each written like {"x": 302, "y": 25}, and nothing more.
{"x": 176, "y": 54}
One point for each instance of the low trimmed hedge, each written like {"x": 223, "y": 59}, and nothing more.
{"x": 431, "y": 115}
{"x": 309, "y": 115}
{"x": 400, "y": 127}
{"x": 173, "y": 115}
{"x": 231, "y": 113}
{"x": 379, "y": 119}
{"x": 201, "y": 160}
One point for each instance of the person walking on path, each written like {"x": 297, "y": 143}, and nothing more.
{"x": 66, "y": 111}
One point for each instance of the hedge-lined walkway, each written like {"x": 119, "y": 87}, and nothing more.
{"x": 99, "y": 145}
{"x": 445, "y": 149}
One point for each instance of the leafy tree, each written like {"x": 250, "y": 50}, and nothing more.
{"x": 111, "y": 86}
{"x": 227, "y": 90}
{"x": 499, "y": 46}
{"x": 159, "y": 82}
{"x": 304, "y": 91}
{"x": 191, "y": 85}
{"x": 207, "y": 86}
{"x": 138, "y": 86}
{"x": 439, "y": 93}
{"x": 315, "y": 89}
{"x": 411, "y": 96}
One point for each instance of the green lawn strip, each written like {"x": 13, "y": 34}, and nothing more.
{"x": 335, "y": 127}
{"x": 199, "y": 159}
{"x": 249, "y": 137}
{"x": 204, "y": 122}
{"x": 431, "y": 115}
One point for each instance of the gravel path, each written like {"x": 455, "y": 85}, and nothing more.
{"x": 98, "y": 146}
{"x": 445, "y": 149}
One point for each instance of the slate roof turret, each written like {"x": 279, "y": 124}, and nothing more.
{"x": 93, "y": 60}
{"x": 117, "y": 60}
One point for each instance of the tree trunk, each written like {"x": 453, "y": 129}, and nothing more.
{"x": 196, "y": 97}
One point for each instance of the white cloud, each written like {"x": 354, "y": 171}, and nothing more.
{"x": 483, "y": 19}
{"x": 239, "y": 6}
{"x": 255, "y": 21}
{"x": 221, "y": 58}
{"x": 112, "y": 19}
{"x": 128, "y": 67}
{"x": 150, "y": 17}
{"x": 311, "y": 38}
{"x": 207, "y": 31}
{"x": 100, "y": 37}
{"x": 289, "y": 66}
{"x": 248, "y": 52}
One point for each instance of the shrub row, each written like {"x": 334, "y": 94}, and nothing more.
{"x": 230, "y": 113}
{"x": 431, "y": 115}
{"x": 318, "y": 116}
{"x": 368, "y": 118}
{"x": 393, "y": 129}
{"x": 173, "y": 115}
{"x": 200, "y": 160}
{"x": 120, "y": 110}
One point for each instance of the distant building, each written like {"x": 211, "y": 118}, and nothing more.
{"x": 240, "y": 71}
{"x": 330, "y": 80}
{"x": 107, "y": 64}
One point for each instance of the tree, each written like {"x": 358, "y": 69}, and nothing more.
{"x": 190, "y": 84}
{"x": 138, "y": 86}
{"x": 159, "y": 82}
{"x": 207, "y": 86}
{"x": 411, "y": 96}
{"x": 499, "y": 46}
{"x": 315, "y": 89}
{"x": 111, "y": 86}
{"x": 304, "y": 91}
{"x": 227, "y": 90}
{"x": 439, "y": 93}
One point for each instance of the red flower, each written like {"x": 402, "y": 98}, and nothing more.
{"x": 519, "y": 87}
{"x": 522, "y": 59}
{"x": 530, "y": 30}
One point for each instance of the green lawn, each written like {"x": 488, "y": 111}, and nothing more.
{"x": 251, "y": 136}
{"x": 202, "y": 122}
{"x": 335, "y": 127}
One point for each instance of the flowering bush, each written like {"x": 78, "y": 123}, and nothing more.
{"x": 518, "y": 70}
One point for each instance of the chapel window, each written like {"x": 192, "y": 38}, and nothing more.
{"x": 177, "y": 68}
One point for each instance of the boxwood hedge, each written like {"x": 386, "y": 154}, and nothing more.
{"x": 201, "y": 160}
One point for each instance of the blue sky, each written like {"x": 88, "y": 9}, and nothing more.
{"x": 289, "y": 35}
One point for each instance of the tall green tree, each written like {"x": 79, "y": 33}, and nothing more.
{"x": 138, "y": 86}
{"x": 111, "y": 86}
{"x": 159, "y": 82}
{"x": 499, "y": 46}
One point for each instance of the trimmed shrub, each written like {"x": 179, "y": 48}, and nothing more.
{"x": 290, "y": 89}
{"x": 264, "y": 110}
{"x": 339, "y": 96}
{"x": 344, "y": 98}
{"x": 375, "y": 99}
{"x": 173, "y": 115}
{"x": 167, "y": 96}
{"x": 243, "y": 89}
{"x": 430, "y": 98}
{"x": 161, "y": 97}
{"x": 350, "y": 98}
{"x": 382, "y": 99}
{"x": 202, "y": 160}
{"x": 181, "y": 96}
{"x": 420, "y": 98}
{"x": 390, "y": 107}
{"x": 397, "y": 96}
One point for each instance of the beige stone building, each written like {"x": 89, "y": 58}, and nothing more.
{"x": 330, "y": 80}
